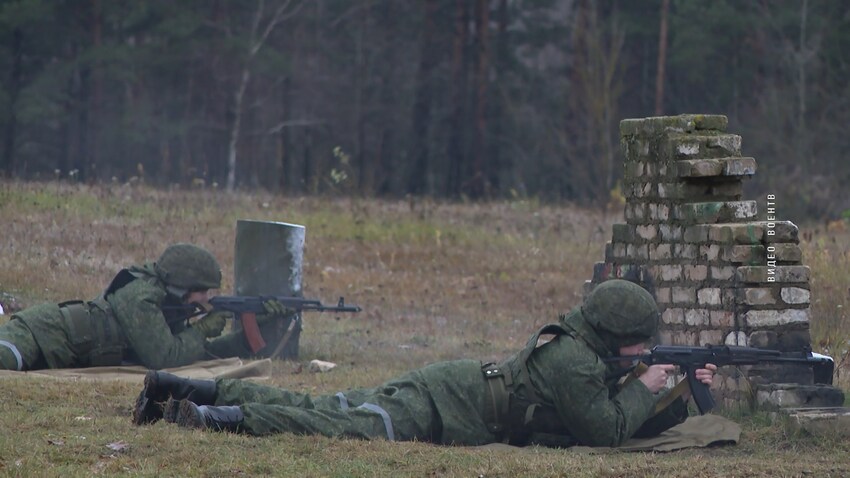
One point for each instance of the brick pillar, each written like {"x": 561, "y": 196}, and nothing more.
{"x": 719, "y": 275}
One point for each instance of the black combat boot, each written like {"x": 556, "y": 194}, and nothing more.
{"x": 170, "y": 410}
{"x": 225, "y": 418}
{"x": 160, "y": 386}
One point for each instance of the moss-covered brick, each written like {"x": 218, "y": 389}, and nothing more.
{"x": 635, "y": 213}
{"x": 680, "y": 124}
{"x": 714, "y": 212}
{"x": 705, "y": 145}
{"x": 670, "y": 232}
{"x": 660, "y": 252}
{"x": 658, "y": 212}
{"x": 722, "y": 272}
{"x": 750, "y": 233}
{"x": 773, "y": 318}
{"x": 685, "y": 251}
{"x": 785, "y": 252}
{"x": 779, "y": 274}
{"x": 752, "y": 255}
{"x": 756, "y": 296}
{"x": 726, "y": 188}
{"x": 780, "y": 231}
{"x": 696, "y": 233}
{"x": 623, "y": 232}
{"x": 633, "y": 171}
{"x": 635, "y": 148}
{"x": 615, "y": 251}
{"x": 795, "y": 295}
{"x": 704, "y": 168}
{"x": 637, "y": 251}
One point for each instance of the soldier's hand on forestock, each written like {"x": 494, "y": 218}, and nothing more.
{"x": 212, "y": 324}
{"x": 275, "y": 309}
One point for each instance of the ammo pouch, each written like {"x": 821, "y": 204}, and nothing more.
{"x": 516, "y": 420}
{"x": 93, "y": 334}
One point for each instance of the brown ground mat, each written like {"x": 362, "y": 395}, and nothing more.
{"x": 697, "y": 431}
{"x": 221, "y": 368}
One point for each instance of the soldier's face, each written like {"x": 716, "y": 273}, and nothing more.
{"x": 635, "y": 349}
{"x": 198, "y": 296}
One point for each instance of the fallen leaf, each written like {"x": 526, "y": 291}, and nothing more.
{"x": 118, "y": 446}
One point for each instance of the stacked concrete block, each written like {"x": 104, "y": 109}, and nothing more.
{"x": 720, "y": 276}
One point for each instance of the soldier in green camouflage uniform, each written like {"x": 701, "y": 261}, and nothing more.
{"x": 131, "y": 322}
{"x": 561, "y": 393}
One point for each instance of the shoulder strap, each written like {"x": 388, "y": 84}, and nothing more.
{"x": 121, "y": 279}
{"x": 530, "y": 346}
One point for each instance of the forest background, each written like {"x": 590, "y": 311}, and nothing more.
{"x": 441, "y": 98}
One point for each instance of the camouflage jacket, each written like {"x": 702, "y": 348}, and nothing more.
{"x": 580, "y": 392}
{"x": 127, "y": 319}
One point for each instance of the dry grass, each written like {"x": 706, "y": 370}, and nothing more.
{"x": 828, "y": 254}
{"x": 436, "y": 280}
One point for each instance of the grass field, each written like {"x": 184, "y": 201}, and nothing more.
{"x": 436, "y": 281}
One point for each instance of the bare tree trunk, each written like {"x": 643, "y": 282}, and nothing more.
{"x": 802, "y": 59}
{"x": 257, "y": 39}
{"x": 662, "y": 59}
{"x": 418, "y": 179}
{"x": 235, "y": 129}
{"x": 8, "y": 166}
{"x": 186, "y": 153}
{"x": 598, "y": 84}
{"x": 359, "y": 116}
{"x": 74, "y": 111}
{"x": 284, "y": 142}
{"x": 383, "y": 178}
{"x": 477, "y": 183}
{"x": 497, "y": 165}
{"x": 460, "y": 65}
{"x": 96, "y": 98}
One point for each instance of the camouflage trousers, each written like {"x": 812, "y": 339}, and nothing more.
{"x": 402, "y": 409}
{"x": 18, "y": 349}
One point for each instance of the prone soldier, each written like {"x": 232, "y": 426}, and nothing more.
{"x": 137, "y": 319}
{"x": 561, "y": 393}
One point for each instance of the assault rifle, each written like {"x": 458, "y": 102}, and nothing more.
{"x": 691, "y": 358}
{"x": 246, "y": 308}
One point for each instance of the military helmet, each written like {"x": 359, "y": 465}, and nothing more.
{"x": 187, "y": 267}
{"x": 622, "y": 312}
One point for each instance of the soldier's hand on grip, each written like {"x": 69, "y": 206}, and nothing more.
{"x": 655, "y": 377}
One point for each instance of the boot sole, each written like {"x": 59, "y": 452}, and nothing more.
{"x": 189, "y": 417}
{"x": 171, "y": 410}
{"x": 146, "y": 409}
